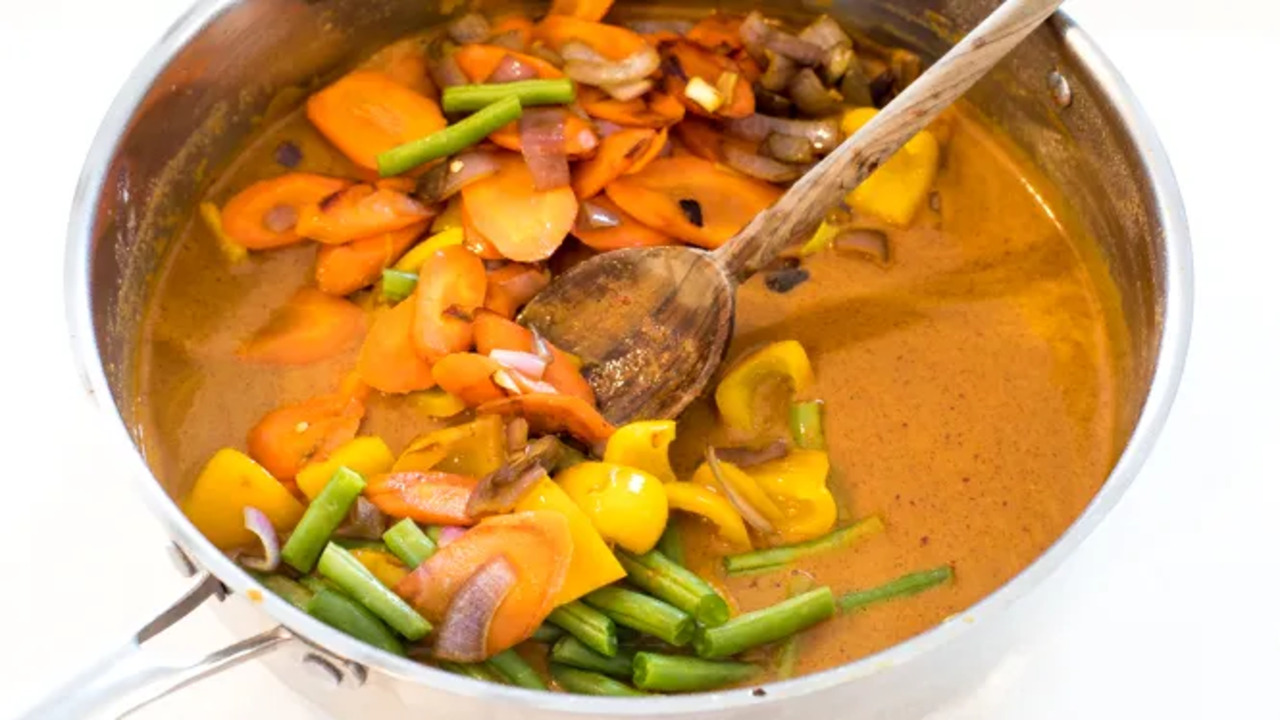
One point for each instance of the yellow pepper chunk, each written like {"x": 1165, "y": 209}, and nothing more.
{"x": 626, "y": 505}
{"x": 592, "y": 565}
{"x": 736, "y": 393}
{"x": 693, "y": 498}
{"x": 233, "y": 251}
{"x": 797, "y": 483}
{"x": 449, "y": 219}
{"x": 368, "y": 456}
{"x": 384, "y": 566}
{"x": 230, "y": 482}
{"x": 897, "y": 189}
{"x": 444, "y": 237}
{"x": 743, "y": 486}
{"x": 643, "y": 445}
{"x": 476, "y": 448}
{"x": 436, "y": 403}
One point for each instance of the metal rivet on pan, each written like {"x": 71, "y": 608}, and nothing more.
{"x": 1059, "y": 89}
{"x": 322, "y": 670}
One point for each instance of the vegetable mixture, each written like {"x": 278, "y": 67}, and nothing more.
{"x": 518, "y": 537}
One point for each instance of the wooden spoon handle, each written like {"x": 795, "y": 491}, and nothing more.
{"x": 799, "y": 212}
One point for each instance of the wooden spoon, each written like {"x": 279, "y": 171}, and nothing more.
{"x": 652, "y": 324}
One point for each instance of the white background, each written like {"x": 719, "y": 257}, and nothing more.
{"x": 1169, "y": 610}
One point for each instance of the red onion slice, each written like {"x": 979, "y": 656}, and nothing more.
{"x": 811, "y": 96}
{"x": 744, "y": 508}
{"x": 526, "y": 364}
{"x": 595, "y": 217}
{"x": 575, "y": 50}
{"x": 779, "y": 72}
{"x": 517, "y": 434}
{"x": 542, "y": 52}
{"x": 653, "y": 27}
{"x": 826, "y": 33}
{"x": 511, "y": 69}
{"x": 629, "y": 91}
{"x": 463, "y": 635}
{"x": 464, "y": 169}
{"x": 365, "y": 521}
{"x": 747, "y": 457}
{"x": 542, "y": 145}
{"x": 259, "y": 524}
{"x": 449, "y": 533}
{"x": 470, "y": 28}
{"x": 866, "y": 241}
{"x": 511, "y": 40}
{"x": 759, "y": 166}
{"x": 500, "y": 490}
{"x": 636, "y": 66}
{"x": 787, "y": 148}
{"x": 446, "y": 72}
{"x": 823, "y": 134}
{"x": 759, "y": 36}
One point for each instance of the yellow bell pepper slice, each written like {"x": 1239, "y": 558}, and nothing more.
{"x": 643, "y": 445}
{"x": 736, "y": 393}
{"x": 797, "y": 483}
{"x": 230, "y": 482}
{"x": 384, "y": 566}
{"x": 592, "y": 565}
{"x": 693, "y": 498}
{"x": 742, "y": 484}
{"x": 476, "y": 449}
{"x": 821, "y": 240}
{"x": 897, "y": 189}
{"x": 436, "y": 403}
{"x": 449, "y": 219}
{"x": 368, "y": 456}
{"x": 418, "y": 254}
{"x": 627, "y": 506}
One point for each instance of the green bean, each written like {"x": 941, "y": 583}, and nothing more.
{"x": 671, "y": 544}
{"x": 583, "y": 682}
{"x": 291, "y": 592}
{"x": 774, "y": 558}
{"x": 569, "y": 650}
{"x": 350, "y": 617}
{"x": 901, "y": 587}
{"x": 345, "y": 571}
{"x": 676, "y": 673}
{"x": 547, "y": 633}
{"x": 359, "y": 544}
{"x": 322, "y": 517}
{"x": 475, "y": 671}
{"x": 641, "y": 612}
{"x": 510, "y": 665}
{"x": 595, "y": 629}
{"x": 806, "y": 425}
{"x": 315, "y": 583}
{"x": 398, "y": 284}
{"x": 433, "y": 533}
{"x": 406, "y": 541}
{"x": 666, "y": 580}
{"x": 463, "y": 98}
{"x": 442, "y": 143}
{"x": 766, "y": 625}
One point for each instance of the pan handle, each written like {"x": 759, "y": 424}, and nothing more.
{"x": 131, "y": 676}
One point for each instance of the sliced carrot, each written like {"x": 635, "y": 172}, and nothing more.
{"x": 388, "y": 361}
{"x": 310, "y": 327}
{"x": 657, "y": 37}
{"x": 725, "y": 200}
{"x": 289, "y": 437}
{"x": 696, "y": 61}
{"x": 717, "y": 31}
{"x": 471, "y": 237}
{"x": 538, "y": 545}
{"x": 584, "y": 9}
{"x": 523, "y": 223}
{"x": 451, "y": 285}
{"x": 513, "y": 23}
{"x": 579, "y": 136}
{"x": 468, "y": 377}
{"x": 549, "y": 414}
{"x": 701, "y": 138}
{"x": 398, "y": 184}
{"x": 513, "y": 285}
{"x": 655, "y": 150}
{"x": 479, "y": 61}
{"x": 265, "y": 214}
{"x": 655, "y": 110}
{"x": 748, "y": 66}
{"x": 406, "y": 62}
{"x": 435, "y": 498}
{"x": 614, "y": 42}
{"x": 628, "y": 233}
{"x": 618, "y": 152}
{"x": 494, "y": 332}
{"x": 360, "y": 211}
{"x": 344, "y": 269}
{"x": 366, "y": 113}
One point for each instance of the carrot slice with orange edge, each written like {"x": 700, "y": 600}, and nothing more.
{"x": 360, "y": 211}
{"x": 696, "y": 61}
{"x": 406, "y": 62}
{"x": 494, "y": 332}
{"x": 265, "y": 214}
{"x": 538, "y": 545}
{"x": 618, "y": 152}
{"x": 584, "y": 9}
{"x": 451, "y": 285}
{"x": 629, "y": 232}
{"x": 701, "y": 138}
{"x": 468, "y": 377}
{"x": 653, "y": 153}
{"x": 344, "y": 269}
{"x": 523, "y": 223}
{"x": 366, "y": 113}
{"x": 310, "y": 327}
{"x": 613, "y": 42}
{"x": 479, "y": 61}
{"x": 513, "y": 285}
{"x": 549, "y": 414}
{"x": 723, "y": 201}
{"x": 717, "y": 31}
{"x": 517, "y": 24}
{"x": 388, "y": 360}
{"x": 289, "y": 437}
{"x": 472, "y": 239}
{"x": 436, "y": 498}
{"x": 579, "y": 136}
{"x": 655, "y": 110}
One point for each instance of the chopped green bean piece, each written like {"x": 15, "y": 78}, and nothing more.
{"x": 475, "y": 671}
{"x": 462, "y": 98}
{"x": 641, "y": 612}
{"x": 347, "y": 615}
{"x": 806, "y": 425}
{"x": 322, "y": 517}
{"x": 458, "y": 136}
{"x": 345, "y": 571}
{"x": 901, "y": 587}
{"x": 547, "y": 633}
{"x": 671, "y": 544}
{"x": 595, "y": 629}
{"x": 295, "y": 594}
{"x": 766, "y": 625}
{"x": 511, "y": 666}
{"x": 315, "y": 583}
{"x": 407, "y": 542}
{"x": 774, "y": 558}
{"x": 676, "y": 673}
{"x": 583, "y": 682}
{"x": 666, "y": 580}
{"x": 569, "y": 650}
{"x": 398, "y": 284}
